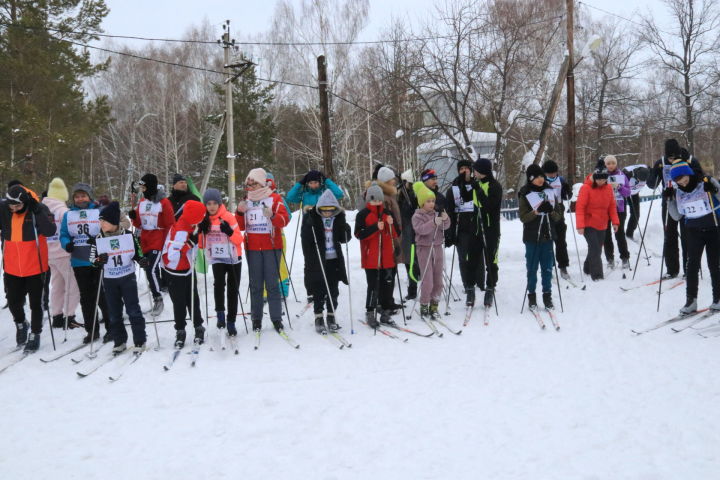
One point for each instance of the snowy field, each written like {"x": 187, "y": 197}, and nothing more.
{"x": 506, "y": 401}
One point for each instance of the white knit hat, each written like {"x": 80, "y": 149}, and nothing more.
{"x": 258, "y": 175}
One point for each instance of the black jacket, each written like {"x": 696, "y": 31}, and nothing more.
{"x": 655, "y": 177}
{"x": 178, "y": 198}
{"x": 490, "y": 204}
{"x": 462, "y": 222}
{"x": 341, "y": 234}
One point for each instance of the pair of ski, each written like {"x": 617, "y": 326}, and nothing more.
{"x": 16, "y": 356}
{"x": 389, "y": 334}
{"x": 223, "y": 344}
{"x": 430, "y": 324}
{"x": 649, "y": 284}
{"x": 679, "y": 318}
{"x": 194, "y": 353}
{"x": 339, "y": 340}
{"x": 128, "y": 359}
{"x": 469, "y": 309}
{"x": 282, "y": 334}
{"x": 541, "y": 323}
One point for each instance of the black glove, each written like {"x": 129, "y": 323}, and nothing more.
{"x": 143, "y": 262}
{"x": 132, "y": 214}
{"x": 226, "y": 228}
{"x": 70, "y": 246}
{"x": 32, "y": 204}
{"x": 204, "y": 226}
{"x": 101, "y": 259}
{"x": 669, "y": 193}
{"x": 545, "y": 207}
{"x": 192, "y": 240}
{"x": 449, "y": 242}
{"x": 708, "y": 186}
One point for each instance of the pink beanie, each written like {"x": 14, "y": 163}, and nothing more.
{"x": 258, "y": 175}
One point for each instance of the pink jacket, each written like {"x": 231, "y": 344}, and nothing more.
{"x": 58, "y": 209}
{"x": 424, "y": 225}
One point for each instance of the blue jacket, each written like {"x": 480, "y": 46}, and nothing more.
{"x": 299, "y": 193}
{"x": 65, "y": 237}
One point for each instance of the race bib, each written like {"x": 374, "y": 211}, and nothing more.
{"x": 120, "y": 250}
{"x": 461, "y": 206}
{"x": 83, "y": 224}
{"x": 149, "y": 213}
{"x": 330, "y": 252}
{"x": 693, "y": 204}
{"x": 218, "y": 246}
{"x": 556, "y": 185}
{"x": 666, "y": 176}
{"x": 255, "y": 220}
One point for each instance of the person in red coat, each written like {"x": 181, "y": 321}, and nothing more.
{"x": 595, "y": 207}
{"x": 375, "y": 228}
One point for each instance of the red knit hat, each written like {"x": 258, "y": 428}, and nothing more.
{"x": 193, "y": 212}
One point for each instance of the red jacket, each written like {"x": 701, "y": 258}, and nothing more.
{"x": 596, "y": 207}
{"x": 154, "y": 224}
{"x": 259, "y": 233}
{"x": 370, "y": 236}
{"x": 177, "y": 254}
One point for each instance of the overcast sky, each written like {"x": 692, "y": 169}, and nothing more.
{"x": 171, "y": 18}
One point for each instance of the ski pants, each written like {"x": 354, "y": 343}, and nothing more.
{"x": 470, "y": 260}
{"x": 561, "y": 248}
{"x": 153, "y": 272}
{"x": 699, "y": 239}
{"x": 226, "y": 274}
{"x": 593, "y": 261}
{"x": 183, "y": 294}
{"x": 539, "y": 254}
{"x": 431, "y": 283}
{"x": 384, "y": 295}
{"x": 634, "y": 217}
{"x": 17, "y": 289}
{"x": 321, "y": 297}
{"x": 620, "y": 238}
{"x": 119, "y": 291}
{"x": 64, "y": 293}
{"x": 490, "y": 254}
{"x": 670, "y": 244}
{"x": 263, "y": 272}
{"x": 88, "y": 281}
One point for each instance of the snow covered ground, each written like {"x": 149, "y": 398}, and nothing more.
{"x": 506, "y": 401}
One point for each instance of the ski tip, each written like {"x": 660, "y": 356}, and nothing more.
{"x": 583, "y": 287}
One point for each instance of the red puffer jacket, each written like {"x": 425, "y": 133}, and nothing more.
{"x": 596, "y": 206}
{"x": 154, "y": 218}
{"x": 177, "y": 254}
{"x": 366, "y": 229}
{"x": 261, "y": 234}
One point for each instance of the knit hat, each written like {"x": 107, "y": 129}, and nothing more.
{"x": 193, "y": 212}
{"x": 385, "y": 174}
{"x": 150, "y": 182}
{"x": 58, "y": 190}
{"x": 374, "y": 193}
{"x": 681, "y": 169}
{"x": 672, "y": 148}
{"x": 178, "y": 177}
{"x": 83, "y": 187}
{"x": 483, "y": 166}
{"x": 258, "y": 175}
{"x": 422, "y": 193}
{"x": 212, "y": 195}
{"x": 17, "y": 194}
{"x": 12, "y": 183}
{"x": 312, "y": 176}
{"x": 464, "y": 163}
{"x": 111, "y": 213}
{"x": 609, "y": 158}
{"x": 534, "y": 171}
{"x": 407, "y": 175}
{"x": 550, "y": 167}
{"x": 684, "y": 154}
{"x": 427, "y": 174}
{"x": 600, "y": 173}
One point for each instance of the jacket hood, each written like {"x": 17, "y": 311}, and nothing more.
{"x": 327, "y": 199}
{"x": 193, "y": 212}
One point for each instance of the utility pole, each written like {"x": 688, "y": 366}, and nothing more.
{"x": 230, "y": 136}
{"x": 324, "y": 117}
{"x": 570, "y": 93}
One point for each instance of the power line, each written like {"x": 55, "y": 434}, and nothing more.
{"x": 629, "y": 20}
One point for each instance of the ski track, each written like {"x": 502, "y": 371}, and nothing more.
{"x": 507, "y": 401}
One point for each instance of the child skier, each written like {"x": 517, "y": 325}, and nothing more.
{"x": 114, "y": 250}
{"x": 376, "y": 230}
{"x": 222, "y": 241}
{"x": 621, "y": 188}
{"x": 323, "y": 232}
{"x": 429, "y": 230}
{"x": 178, "y": 260}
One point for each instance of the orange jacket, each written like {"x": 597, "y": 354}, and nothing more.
{"x": 596, "y": 207}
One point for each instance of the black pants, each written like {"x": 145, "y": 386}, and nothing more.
{"x": 385, "y": 295}
{"x": 698, "y": 240}
{"x": 226, "y": 274}
{"x": 490, "y": 252}
{"x": 619, "y": 238}
{"x": 670, "y": 244}
{"x": 634, "y": 218}
{"x": 17, "y": 288}
{"x": 470, "y": 260}
{"x": 561, "y": 250}
{"x": 593, "y": 261}
{"x": 321, "y": 298}
{"x": 121, "y": 291}
{"x": 46, "y": 291}
{"x": 88, "y": 280}
{"x": 153, "y": 272}
{"x": 180, "y": 287}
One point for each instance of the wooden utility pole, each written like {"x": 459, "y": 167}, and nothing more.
{"x": 550, "y": 114}
{"x": 324, "y": 117}
{"x": 230, "y": 136}
{"x": 570, "y": 173}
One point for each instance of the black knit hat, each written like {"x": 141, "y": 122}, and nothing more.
{"x": 672, "y": 148}
{"x": 483, "y": 166}
{"x": 111, "y": 213}
{"x": 600, "y": 173}
{"x": 533, "y": 171}
{"x": 150, "y": 182}
{"x": 178, "y": 177}
{"x": 464, "y": 163}
{"x": 17, "y": 194}
{"x": 550, "y": 167}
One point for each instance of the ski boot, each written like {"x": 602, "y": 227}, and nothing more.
{"x": 715, "y": 305}
{"x": 425, "y": 312}
{"x": 669, "y": 276}
{"x": 90, "y": 337}
{"x": 118, "y": 348}
{"x": 434, "y": 313}
{"x": 21, "y": 335}
{"x": 371, "y": 320}
{"x": 320, "y": 324}
{"x": 277, "y": 325}
{"x": 157, "y": 306}
{"x": 489, "y": 297}
{"x": 220, "y": 319}
{"x": 200, "y": 334}
{"x": 547, "y": 300}
{"x": 611, "y": 264}
{"x": 107, "y": 337}
{"x": 411, "y": 291}
{"x": 33, "y": 343}
{"x": 470, "y": 297}
{"x": 139, "y": 347}
{"x": 231, "y": 328}
{"x": 386, "y": 318}
{"x": 180, "y": 336}
{"x": 58, "y": 321}
{"x": 564, "y": 273}
{"x": 331, "y": 323}
{"x": 690, "y": 306}
{"x": 72, "y": 323}
{"x": 626, "y": 264}
{"x": 532, "y": 302}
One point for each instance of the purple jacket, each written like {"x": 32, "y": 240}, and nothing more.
{"x": 623, "y": 188}
{"x": 424, "y": 225}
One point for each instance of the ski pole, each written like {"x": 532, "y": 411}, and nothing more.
{"x": 662, "y": 260}
{"x": 65, "y": 307}
{"x": 642, "y": 234}
{"x": 636, "y": 212}
{"x": 557, "y": 278}
{"x": 92, "y": 353}
{"x": 712, "y": 206}
{"x": 376, "y": 292}
{"x": 577, "y": 250}
{"x": 325, "y": 280}
{"x": 297, "y": 230}
{"x": 42, "y": 279}
{"x": 452, "y": 266}
{"x": 347, "y": 269}
{"x": 488, "y": 262}
{"x": 237, "y": 285}
{"x": 205, "y": 267}
{"x": 402, "y": 302}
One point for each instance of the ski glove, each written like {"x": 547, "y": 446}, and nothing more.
{"x": 708, "y": 186}
{"x": 267, "y": 211}
{"x": 307, "y": 208}
{"x": 70, "y": 246}
{"x": 32, "y": 204}
{"x": 101, "y": 259}
{"x": 204, "y": 226}
{"x": 545, "y": 207}
{"x": 132, "y": 214}
{"x": 226, "y": 228}
{"x": 438, "y": 220}
{"x": 669, "y": 193}
{"x": 143, "y": 262}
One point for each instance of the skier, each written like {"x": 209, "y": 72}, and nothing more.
{"x": 375, "y": 228}
{"x": 660, "y": 175}
{"x": 563, "y": 192}
{"x": 79, "y": 224}
{"x": 65, "y": 295}
{"x": 262, "y": 216}
{"x": 179, "y": 194}
{"x": 637, "y": 175}
{"x": 429, "y": 229}
{"x": 538, "y": 213}
{"x": 114, "y": 250}
{"x": 408, "y": 204}
{"x": 324, "y": 231}
{"x": 178, "y": 261}
{"x": 594, "y": 211}
{"x": 153, "y": 216}
{"x": 696, "y": 198}
{"x": 488, "y": 195}
{"x": 222, "y": 241}
{"x": 621, "y": 189}
{"x": 25, "y": 224}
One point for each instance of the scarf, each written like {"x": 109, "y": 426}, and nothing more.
{"x": 259, "y": 194}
